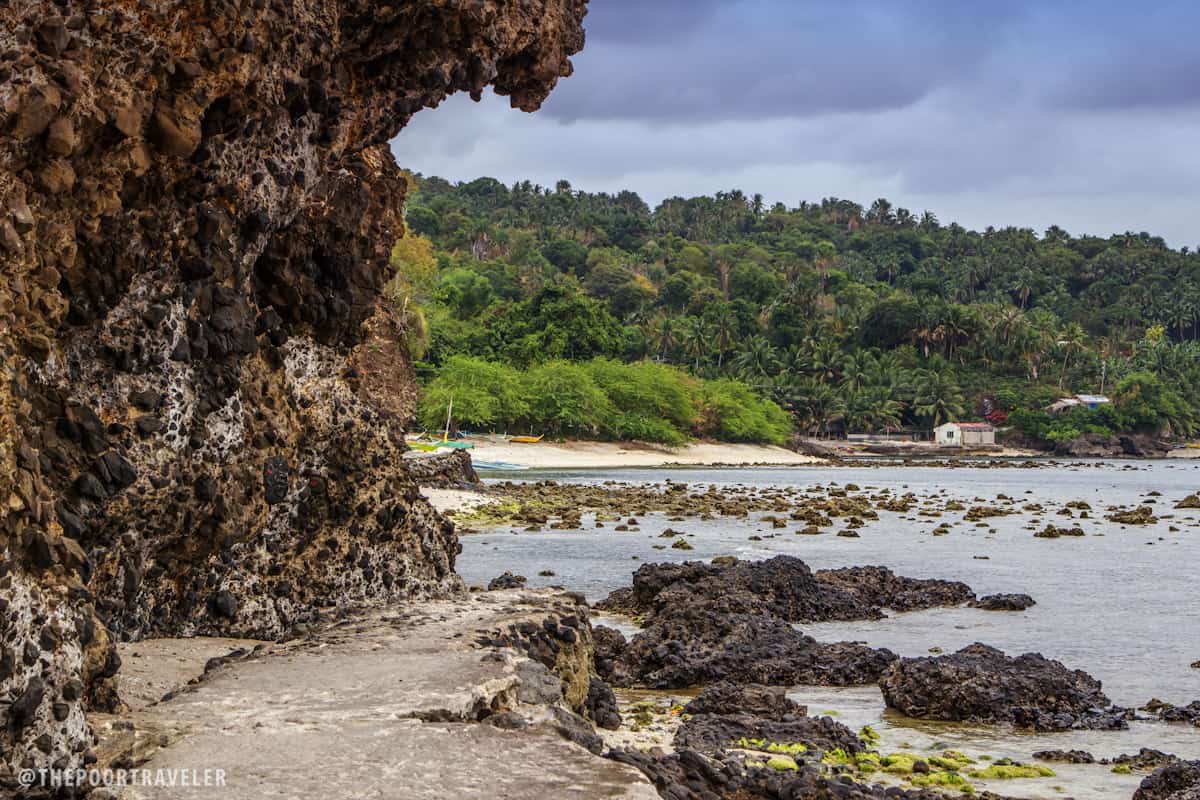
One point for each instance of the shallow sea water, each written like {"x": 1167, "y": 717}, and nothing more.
{"x": 1122, "y": 602}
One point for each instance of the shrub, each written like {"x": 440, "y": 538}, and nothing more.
{"x": 732, "y": 412}
{"x": 485, "y": 394}
{"x": 563, "y": 397}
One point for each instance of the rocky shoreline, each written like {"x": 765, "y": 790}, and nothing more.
{"x": 735, "y": 627}
{"x": 832, "y": 507}
{"x": 710, "y": 626}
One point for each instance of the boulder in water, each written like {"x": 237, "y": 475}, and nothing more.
{"x": 982, "y": 684}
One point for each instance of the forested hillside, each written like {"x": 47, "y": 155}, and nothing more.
{"x": 595, "y": 315}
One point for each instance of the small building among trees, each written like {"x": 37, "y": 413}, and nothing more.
{"x": 1089, "y": 401}
{"x": 964, "y": 434}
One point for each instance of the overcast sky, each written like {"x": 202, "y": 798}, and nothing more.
{"x": 1020, "y": 112}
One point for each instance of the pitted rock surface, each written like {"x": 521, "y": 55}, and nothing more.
{"x": 690, "y": 647}
{"x": 705, "y": 623}
{"x": 203, "y": 393}
{"x": 982, "y": 684}
{"x": 724, "y": 714}
{"x": 1177, "y": 781}
{"x": 782, "y": 586}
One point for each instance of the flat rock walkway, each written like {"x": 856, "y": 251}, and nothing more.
{"x": 384, "y": 705}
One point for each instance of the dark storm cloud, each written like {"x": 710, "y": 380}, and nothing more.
{"x": 700, "y": 60}
{"x": 1017, "y": 112}
{"x": 757, "y": 59}
{"x": 654, "y": 22}
{"x": 1132, "y": 57}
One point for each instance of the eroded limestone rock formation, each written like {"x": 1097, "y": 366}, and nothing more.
{"x": 202, "y": 389}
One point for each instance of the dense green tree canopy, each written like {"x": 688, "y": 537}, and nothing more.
{"x": 847, "y": 317}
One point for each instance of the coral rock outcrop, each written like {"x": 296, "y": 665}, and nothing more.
{"x": 982, "y": 684}
{"x": 202, "y": 389}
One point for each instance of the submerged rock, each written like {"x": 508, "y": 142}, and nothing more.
{"x": 1172, "y": 713}
{"x": 732, "y": 622}
{"x": 982, "y": 684}
{"x": 1066, "y": 756}
{"x": 1055, "y": 532}
{"x": 1004, "y": 602}
{"x": 691, "y": 775}
{"x": 1142, "y": 515}
{"x": 879, "y": 587}
{"x": 1143, "y": 760}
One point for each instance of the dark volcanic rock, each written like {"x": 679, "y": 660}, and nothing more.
{"x": 1177, "y": 781}
{"x": 732, "y": 621}
{"x": 602, "y": 705}
{"x": 982, "y": 684}
{"x": 1066, "y": 756}
{"x": 443, "y": 469}
{"x": 197, "y": 208}
{"x": 726, "y": 713}
{"x": 1143, "y": 760}
{"x": 1171, "y": 713}
{"x": 506, "y": 581}
{"x": 610, "y": 643}
{"x": 691, "y": 775}
{"x": 879, "y": 587}
{"x": 1004, "y": 602}
{"x": 770, "y": 702}
{"x": 696, "y": 646}
{"x": 782, "y": 586}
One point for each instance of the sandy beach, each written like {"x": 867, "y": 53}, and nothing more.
{"x": 602, "y": 455}
{"x": 615, "y": 455}
{"x": 459, "y": 500}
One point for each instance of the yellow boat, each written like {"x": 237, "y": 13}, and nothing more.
{"x": 526, "y": 439}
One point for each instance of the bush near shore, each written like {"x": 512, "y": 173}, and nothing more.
{"x": 600, "y": 398}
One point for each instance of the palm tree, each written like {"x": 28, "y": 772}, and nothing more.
{"x": 885, "y": 410}
{"x": 937, "y": 397}
{"x": 695, "y": 334}
{"x": 664, "y": 335}
{"x": 757, "y": 358}
{"x": 1006, "y": 324}
{"x": 793, "y": 360}
{"x": 824, "y": 360}
{"x": 724, "y": 326}
{"x": 816, "y": 405}
{"x": 1023, "y": 285}
{"x": 1072, "y": 340}
{"x": 871, "y": 408}
{"x": 858, "y": 369}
